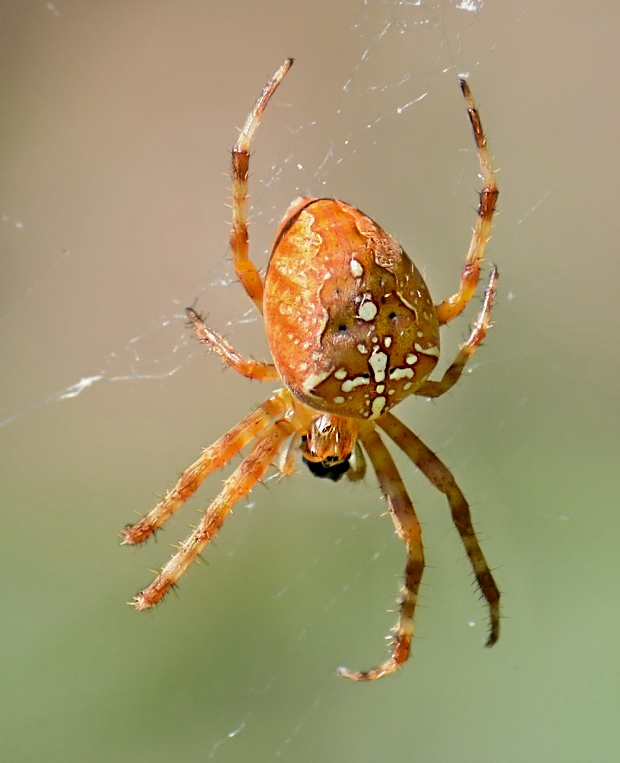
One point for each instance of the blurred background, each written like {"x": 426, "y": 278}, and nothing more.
{"x": 116, "y": 124}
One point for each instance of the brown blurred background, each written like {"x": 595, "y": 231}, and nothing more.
{"x": 116, "y": 123}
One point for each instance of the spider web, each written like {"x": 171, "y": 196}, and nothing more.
{"x": 394, "y": 54}
{"x": 101, "y": 368}
{"x": 378, "y": 26}
{"x": 160, "y": 347}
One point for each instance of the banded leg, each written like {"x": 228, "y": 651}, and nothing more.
{"x": 439, "y": 475}
{"x": 454, "y": 305}
{"x": 212, "y": 458}
{"x": 251, "y": 369}
{"x": 245, "y": 268}
{"x": 242, "y": 480}
{"x": 408, "y": 529}
{"x": 466, "y": 350}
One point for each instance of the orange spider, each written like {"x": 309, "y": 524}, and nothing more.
{"x": 352, "y": 331}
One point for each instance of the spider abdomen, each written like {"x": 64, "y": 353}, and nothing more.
{"x": 350, "y": 322}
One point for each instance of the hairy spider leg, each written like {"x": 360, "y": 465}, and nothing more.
{"x": 454, "y": 305}
{"x": 439, "y": 475}
{"x": 408, "y": 529}
{"x": 467, "y": 349}
{"x": 250, "y": 471}
{"x": 251, "y": 369}
{"x": 212, "y": 458}
{"x": 239, "y": 239}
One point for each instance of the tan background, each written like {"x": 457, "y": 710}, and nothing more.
{"x": 116, "y": 119}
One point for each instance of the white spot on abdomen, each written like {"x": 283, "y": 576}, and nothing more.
{"x": 313, "y": 381}
{"x": 401, "y": 373}
{"x": 350, "y": 384}
{"x": 432, "y": 350}
{"x": 356, "y": 268}
{"x": 378, "y": 362}
{"x": 378, "y": 404}
{"x": 367, "y": 310}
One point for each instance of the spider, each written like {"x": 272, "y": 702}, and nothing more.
{"x": 352, "y": 330}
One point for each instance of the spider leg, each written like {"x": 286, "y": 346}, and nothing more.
{"x": 251, "y": 369}
{"x": 357, "y": 465}
{"x": 466, "y": 350}
{"x": 239, "y": 240}
{"x": 212, "y": 458}
{"x": 439, "y": 475}
{"x": 408, "y": 529}
{"x": 288, "y": 458}
{"x": 454, "y": 305}
{"x": 242, "y": 480}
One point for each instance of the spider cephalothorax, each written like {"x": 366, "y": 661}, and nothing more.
{"x": 352, "y": 330}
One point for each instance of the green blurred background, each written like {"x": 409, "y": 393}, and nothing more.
{"x": 116, "y": 122}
